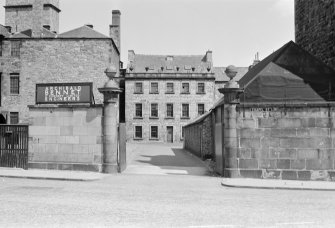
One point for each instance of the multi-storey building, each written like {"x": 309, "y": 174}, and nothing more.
{"x": 315, "y": 28}
{"x": 166, "y": 92}
{"x": 32, "y": 51}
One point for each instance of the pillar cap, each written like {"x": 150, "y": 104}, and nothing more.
{"x": 110, "y": 87}
{"x": 231, "y": 71}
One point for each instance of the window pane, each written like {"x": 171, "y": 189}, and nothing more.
{"x": 138, "y": 87}
{"x": 138, "y": 132}
{"x": 201, "y": 87}
{"x": 201, "y": 109}
{"x": 169, "y": 87}
{"x": 154, "y": 132}
{"x": 154, "y": 110}
{"x": 169, "y": 110}
{"x": 138, "y": 112}
{"x": 14, "y": 84}
{"x": 14, "y": 118}
{"x": 185, "y": 112}
{"x": 154, "y": 87}
{"x": 185, "y": 88}
{"x": 15, "y": 48}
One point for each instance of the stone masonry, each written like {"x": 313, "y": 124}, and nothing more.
{"x": 54, "y": 61}
{"x": 66, "y": 138}
{"x": 315, "y": 28}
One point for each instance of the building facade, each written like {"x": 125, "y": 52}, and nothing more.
{"x": 315, "y": 28}
{"x": 164, "y": 93}
{"x": 33, "y": 52}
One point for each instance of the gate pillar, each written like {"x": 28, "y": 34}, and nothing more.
{"x": 231, "y": 93}
{"x": 111, "y": 93}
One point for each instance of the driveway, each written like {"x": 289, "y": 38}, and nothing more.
{"x": 162, "y": 159}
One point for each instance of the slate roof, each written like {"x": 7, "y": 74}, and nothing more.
{"x": 169, "y": 64}
{"x": 289, "y": 74}
{"x": 82, "y": 32}
{"x": 220, "y": 75}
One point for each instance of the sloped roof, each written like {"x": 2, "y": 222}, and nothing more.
{"x": 47, "y": 33}
{"x": 220, "y": 75}
{"x": 82, "y": 32}
{"x": 3, "y": 31}
{"x": 289, "y": 74}
{"x": 170, "y": 64}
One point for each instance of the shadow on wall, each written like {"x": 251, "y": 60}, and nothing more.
{"x": 2, "y": 119}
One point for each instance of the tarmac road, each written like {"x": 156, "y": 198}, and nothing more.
{"x": 159, "y": 199}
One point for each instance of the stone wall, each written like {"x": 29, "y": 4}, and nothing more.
{"x": 315, "y": 28}
{"x": 199, "y": 137}
{"x": 146, "y": 98}
{"x": 54, "y": 61}
{"x": 65, "y": 138}
{"x": 34, "y": 17}
{"x": 284, "y": 142}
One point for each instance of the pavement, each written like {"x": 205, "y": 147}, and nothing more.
{"x": 166, "y": 159}
{"x": 51, "y": 174}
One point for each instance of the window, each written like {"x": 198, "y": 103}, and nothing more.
{"x": 14, "y": 84}
{"x": 138, "y": 132}
{"x": 154, "y": 132}
{"x": 138, "y": 87}
{"x": 154, "y": 110}
{"x": 138, "y": 110}
{"x": 201, "y": 109}
{"x": 201, "y": 87}
{"x": 154, "y": 87}
{"x": 14, "y": 117}
{"x": 185, "y": 110}
{"x": 185, "y": 88}
{"x": 169, "y": 110}
{"x": 169, "y": 87}
{"x": 15, "y": 48}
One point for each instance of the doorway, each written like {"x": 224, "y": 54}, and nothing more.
{"x": 169, "y": 130}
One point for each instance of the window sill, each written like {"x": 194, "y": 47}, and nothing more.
{"x": 201, "y": 93}
{"x": 154, "y": 139}
{"x": 169, "y": 93}
{"x": 14, "y": 95}
{"x": 138, "y": 139}
{"x": 185, "y": 118}
{"x": 186, "y": 93}
{"x": 169, "y": 118}
{"x": 138, "y": 92}
{"x": 153, "y": 118}
{"x": 138, "y": 118}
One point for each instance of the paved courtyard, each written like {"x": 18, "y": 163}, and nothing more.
{"x": 162, "y": 159}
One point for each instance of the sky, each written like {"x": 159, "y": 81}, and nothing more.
{"x": 235, "y": 30}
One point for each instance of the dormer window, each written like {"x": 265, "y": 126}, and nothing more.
{"x": 193, "y": 69}
{"x": 177, "y": 68}
{"x": 146, "y": 68}
{"x": 169, "y": 58}
{"x": 162, "y": 68}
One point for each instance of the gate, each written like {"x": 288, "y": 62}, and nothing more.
{"x": 14, "y": 146}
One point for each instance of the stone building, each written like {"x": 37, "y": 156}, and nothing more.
{"x": 315, "y": 28}
{"x": 165, "y": 92}
{"x": 32, "y": 52}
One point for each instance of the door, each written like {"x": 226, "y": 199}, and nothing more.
{"x": 169, "y": 134}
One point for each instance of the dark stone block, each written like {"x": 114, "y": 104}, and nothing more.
{"x": 52, "y": 166}
{"x": 298, "y": 164}
{"x": 232, "y": 173}
{"x": 32, "y": 165}
{"x": 317, "y": 164}
{"x": 267, "y": 142}
{"x": 231, "y": 162}
{"x": 283, "y": 164}
{"x": 248, "y": 164}
{"x": 271, "y": 174}
{"x": 267, "y": 163}
{"x": 267, "y": 123}
{"x": 304, "y": 175}
{"x": 86, "y": 167}
{"x": 308, "y": 122}
{"x": 289, "y": 175}
{"x": 251, "y": 173}
{"x": 65, "y": 166}
{"x": 244, "y": 153}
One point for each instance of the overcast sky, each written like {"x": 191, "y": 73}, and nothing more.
{"x": 233, "y": 29}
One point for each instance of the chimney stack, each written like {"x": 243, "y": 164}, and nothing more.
{"x": 131, "y": 59}
{"x": 115, "y": 28}
{"x": 89, "y": 25}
